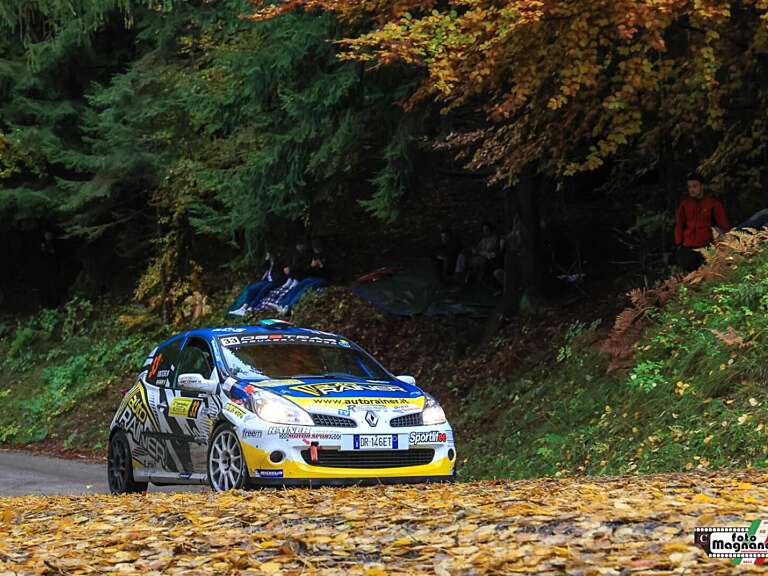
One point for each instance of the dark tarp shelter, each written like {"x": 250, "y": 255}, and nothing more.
{"x": 416, "y": 289}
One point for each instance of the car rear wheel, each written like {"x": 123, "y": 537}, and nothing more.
{"x": 120, "y": 467}
{"x": 226, "y": 464}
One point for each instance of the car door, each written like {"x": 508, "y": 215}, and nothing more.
{"x": 186, "y": 413}
{"x": 151, "y": 451}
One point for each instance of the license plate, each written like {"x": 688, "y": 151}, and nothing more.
{"x": 373, "y": 442}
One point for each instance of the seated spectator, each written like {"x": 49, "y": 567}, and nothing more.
{"x": 299, "y": 276}
{"x": 447, "y": 254}
{"x": 694, "y": 220}
{"x": 318, "y": 267}
{"x": 476, "y": 262}
{"x": 252, "y": 294}
{"x": 299, "y": 266}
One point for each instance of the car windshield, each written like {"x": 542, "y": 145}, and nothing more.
{"x": 266, "y": 360}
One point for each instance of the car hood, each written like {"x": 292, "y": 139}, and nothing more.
{"x": 331, "y": 394}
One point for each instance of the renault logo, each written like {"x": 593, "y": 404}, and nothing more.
{"x": 371, "y": 418}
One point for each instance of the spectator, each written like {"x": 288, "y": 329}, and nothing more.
{"x": 477, "y": 261}
{"x": 252, "y": 294}
{"x": 300, "y": 265}
{"x": 694, "y": 219}
{"x": 300, "y": 276}
{"x": 447, "y": 254}
{"x": 318, "y": 267}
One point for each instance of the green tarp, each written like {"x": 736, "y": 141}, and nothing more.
{"x": 416, "y": 289}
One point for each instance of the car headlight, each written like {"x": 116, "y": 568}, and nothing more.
{"x": 272, "y": 408}
{"x": 433, "y": 413}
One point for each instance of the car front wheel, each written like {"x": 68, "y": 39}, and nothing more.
{"x": 226, "y": 464}
{"x": 120, "y": 467}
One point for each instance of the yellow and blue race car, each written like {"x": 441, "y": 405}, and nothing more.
{"x": 274, "y": 405}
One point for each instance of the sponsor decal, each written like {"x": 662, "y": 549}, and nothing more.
{"x": 234, "y": 409}
{"x": 155, "y": 365}
{"x": 270, "y": 473}
{"x": 337, "y": 387}
{"x": 282, "y": 339}
{"x": 155, "y": 448}
{"x": 354, "y": 404}
{"x": 185, "y": 475}
{"x": 184, "y": 408}
{"x": 301, "y": 433}
{"x": 406, "y": 409}
{"x": 247, "y": 433}
{"x": 273, "y": 430}
{"x": 163, "y": 373}
{"x": 229, "y": 330}
{"x": 133, "y": 420}
{"x": 275, "y": 383}
{"x": 432, "y": 437}
{"x": 138, "y": 406}
{"x": 373, "y": 407}
{"x": 344, "y": 413}
{"x": 325, "y": 436}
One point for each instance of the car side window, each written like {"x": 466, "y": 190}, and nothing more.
{"x": 195, "y": 358}
{"x": 161, "y": 370}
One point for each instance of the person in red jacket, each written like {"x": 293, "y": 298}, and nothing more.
{"x": 694, "y": 219}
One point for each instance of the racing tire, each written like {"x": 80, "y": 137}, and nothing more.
{"x": 226, "y": 461}
{"x": 120, "y": 467}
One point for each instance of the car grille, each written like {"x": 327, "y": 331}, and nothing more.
{"x": 407, "y": 420}
{"x": 370, "y": 458}
{"x": 332, "y": 421}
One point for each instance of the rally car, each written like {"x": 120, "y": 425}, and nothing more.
{"x": 273, "y": 405}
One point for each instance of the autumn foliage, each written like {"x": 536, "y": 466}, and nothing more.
{"x": 566, "y": 86}
{"x": 575, "y": 526}
{"x": 728, "y": 252}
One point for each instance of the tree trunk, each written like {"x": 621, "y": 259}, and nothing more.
{"x": 530, "y": 269}
{"x": 522, "y": 262}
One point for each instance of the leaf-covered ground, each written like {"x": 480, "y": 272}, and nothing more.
{"x": 576, "y": 526}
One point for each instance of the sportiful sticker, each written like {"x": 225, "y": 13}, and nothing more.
{"x": 427, "y": 437}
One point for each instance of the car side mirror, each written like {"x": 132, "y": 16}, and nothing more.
{"x": 196, "y": 383}
{"x": 408, "y": 380}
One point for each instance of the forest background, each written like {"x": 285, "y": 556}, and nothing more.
{"x": 151, "y": 150}
{"x": 141, "y": 141}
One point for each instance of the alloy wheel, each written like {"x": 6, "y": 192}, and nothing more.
{"x": 225, "y": 461}
{"x": 117, "y": 464}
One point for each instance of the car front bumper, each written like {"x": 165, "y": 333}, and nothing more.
{"x": 350, "y": 467}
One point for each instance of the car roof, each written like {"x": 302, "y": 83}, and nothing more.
{"x": 223, "y": 331}
{"x": 235, "y": 330}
